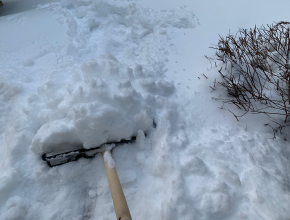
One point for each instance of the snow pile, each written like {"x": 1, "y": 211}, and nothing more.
{"x": 100, "y": 105}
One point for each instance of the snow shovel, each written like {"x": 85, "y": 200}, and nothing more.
{"x": 119, "y": 200}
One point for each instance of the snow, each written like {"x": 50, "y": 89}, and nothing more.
{"x": 90, "y": 72}
{"x": 98, "y": 106}
{"x": 109, "y": 159}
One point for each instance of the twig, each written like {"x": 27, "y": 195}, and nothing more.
{"x": 204, "y": 75}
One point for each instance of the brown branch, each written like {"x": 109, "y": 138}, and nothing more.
{"x": 258, "y": 79}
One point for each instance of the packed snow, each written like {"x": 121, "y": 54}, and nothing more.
{"x": 95, "y": 71}
{"x": 109, "y": 159}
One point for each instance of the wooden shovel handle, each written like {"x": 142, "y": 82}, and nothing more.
{"x": 119, "y": 200}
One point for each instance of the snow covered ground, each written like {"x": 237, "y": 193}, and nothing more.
{"x": 82, "y": 71}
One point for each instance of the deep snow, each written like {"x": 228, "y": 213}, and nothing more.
{"x": 95, "y": 71}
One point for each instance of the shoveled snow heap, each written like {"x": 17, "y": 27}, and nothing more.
{"x": 100, "y": 105}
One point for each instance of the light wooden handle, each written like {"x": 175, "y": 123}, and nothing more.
{"x": 119, "y": 200}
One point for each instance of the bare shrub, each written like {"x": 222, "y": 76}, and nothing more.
{"x": 256, "y": 71}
